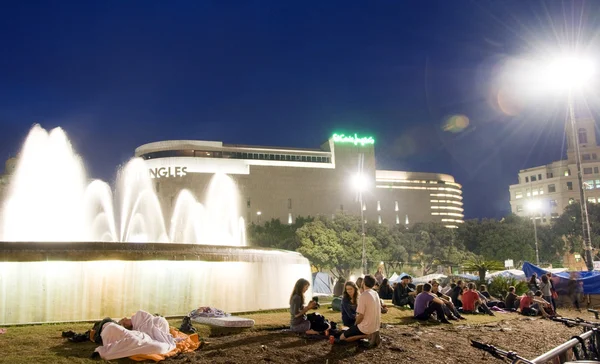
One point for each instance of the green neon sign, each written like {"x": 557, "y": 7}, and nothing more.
{"x": 353, "y": 139}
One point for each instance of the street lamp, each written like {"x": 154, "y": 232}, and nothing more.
{"x": 571, "y": 74}
{"x": 534, "y": 206}
{"x": 360, "y": 183}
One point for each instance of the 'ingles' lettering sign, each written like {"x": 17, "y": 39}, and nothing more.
{"x": 353, "y": 139}
{"x": 166, "y": 172}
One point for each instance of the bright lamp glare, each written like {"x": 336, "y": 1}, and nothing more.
{"x": 534, "y": 205}
{"x": 360, "y": 182}
{"x": 568, "y": 73}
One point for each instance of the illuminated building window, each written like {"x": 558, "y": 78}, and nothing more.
{"x": 591, "y": 199}
{"x": 290, "y": 219}
{"x": 379, "y": 219}
{"x": 406, "y": 220}
{"x": 571, "y": 201}
{"x": 397, "y": 219}
{"x": 567, "y": 173}
{"x": 588, "y": 185}
{"x": 396, "y": 205}
{"x": 364, "y": 206}
{"x": 518, "y": 195}
{"x": 378, "y": 205}
{"x": 582, "y": 134}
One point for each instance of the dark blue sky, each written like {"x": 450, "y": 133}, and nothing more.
{"x": 118, "y": 74}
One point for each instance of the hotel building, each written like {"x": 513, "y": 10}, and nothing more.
{"x": 554, "y": 186}
{"x": 284, "y": 183}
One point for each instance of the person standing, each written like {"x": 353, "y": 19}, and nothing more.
{"x": 573, "y": 290}
{"x": 368, "y": 315}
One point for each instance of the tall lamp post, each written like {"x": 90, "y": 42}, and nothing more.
{"x": 571, "y": 74}
{"x": 534, "y": 206}
{"x": 360, "y": 184}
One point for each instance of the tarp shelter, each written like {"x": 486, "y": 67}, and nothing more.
{"x": 427, "y": 278}
{"x": 466, "y": 276}
{"x": 393, "y": 278}
{"x": 509, "y": 273}
{"x": 589, "y": 280}
{"x": 322, "y": 284}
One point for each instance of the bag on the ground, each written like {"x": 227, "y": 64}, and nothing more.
{"x": 336, "y": 304}
{"x": 318, "y": 322}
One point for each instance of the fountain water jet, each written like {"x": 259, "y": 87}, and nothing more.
{"x": 63, "y": 257}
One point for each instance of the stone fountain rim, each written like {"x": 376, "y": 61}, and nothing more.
{"x": 92, "y": 251}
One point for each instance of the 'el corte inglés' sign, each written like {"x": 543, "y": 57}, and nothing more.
{"x": 167, "y": 172}
{"x": 353, "y": 139}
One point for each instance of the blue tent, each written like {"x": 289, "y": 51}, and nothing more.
{"x": 321, "y": 284}
{"x": 590, "y": 280}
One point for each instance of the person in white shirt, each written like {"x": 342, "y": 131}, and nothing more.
{"x": 368, "y": 314}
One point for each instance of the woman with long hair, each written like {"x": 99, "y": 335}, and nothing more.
{"x": 299, "y": 323}
{"x": 349, "y": 303}
{"x": 359, "y": 282}
{"x": 546, "y": 288}
{"x": 386, "y": 291}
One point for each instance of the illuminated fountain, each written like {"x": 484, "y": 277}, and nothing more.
{"x": 72, "y": 250}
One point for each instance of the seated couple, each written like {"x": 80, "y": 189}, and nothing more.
{"x": 472, "y": 302}
{"x": 142, "y": 334}
{"x": 531, "y": 304}
{"x": 350, "y": 302}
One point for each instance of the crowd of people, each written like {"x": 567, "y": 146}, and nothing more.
{"x": 362, "y": 302}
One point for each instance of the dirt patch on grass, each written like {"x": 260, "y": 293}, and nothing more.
{"x": 414, "y": 344}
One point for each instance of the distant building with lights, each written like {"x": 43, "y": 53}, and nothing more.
{"x": 284, "y": 183}
{"x": 554, "y": 186}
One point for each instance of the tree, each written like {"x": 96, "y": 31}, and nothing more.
{"x": 482, "y": 266}
{"x": 568, "y": 226}
{"x": 274, "y": 234}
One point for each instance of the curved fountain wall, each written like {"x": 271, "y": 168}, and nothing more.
{"x": 72, "y": 250}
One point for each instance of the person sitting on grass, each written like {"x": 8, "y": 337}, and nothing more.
{"x": 511, "y": 299}
{"x": 403, "y": 294}
{"x": 386, "y": 292}
{"x": 532, "y": 305}
{"x": 299, "y": 323}
{"x": 349, "y": 303}
{"x": 456, "y": 294}
{"x": 368, "y": 315}
{"x": 471, "y": 303}
{"x": 543, "y": 306}
{"x": 488, "y": 299}
{"x": 426, "y": 304}
{"x": 449, "y": 309}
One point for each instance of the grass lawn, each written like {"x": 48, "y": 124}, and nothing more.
{"x": 44, "y": 344}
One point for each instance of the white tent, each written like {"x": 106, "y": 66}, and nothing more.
{"x": 518, "y": 274}
{"x": 427, "y": 278}
{"x": 393, "y": 278}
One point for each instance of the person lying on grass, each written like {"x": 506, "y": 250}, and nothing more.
{"x": 142, "y": 334}
{"x": 368, "y": 315}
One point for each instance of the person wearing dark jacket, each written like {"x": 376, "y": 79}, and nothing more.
{"x": 349, "y": 303}
{"x": 386, "y": 292}
{"x": 403, "y": 293}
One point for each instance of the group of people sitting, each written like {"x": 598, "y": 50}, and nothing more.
{"x": 361, "y": 312}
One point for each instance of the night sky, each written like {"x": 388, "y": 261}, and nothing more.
{"x": 118, "y": 74}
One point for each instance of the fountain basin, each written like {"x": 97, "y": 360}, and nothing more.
{"x": 73, "y": 281}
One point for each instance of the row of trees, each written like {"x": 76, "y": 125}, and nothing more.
{"x": 336, "y": 243}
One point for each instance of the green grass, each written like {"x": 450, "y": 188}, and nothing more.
{"x": 44, "y": 344}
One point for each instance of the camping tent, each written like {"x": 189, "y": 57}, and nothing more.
{"x": 590, "y": 280}
{"x": 427, "y": 278}
{"x": 321, "y": 284}
{"x": 393, "y": 278}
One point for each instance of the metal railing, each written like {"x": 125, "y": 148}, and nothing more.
{"x": 560, "y": 352}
